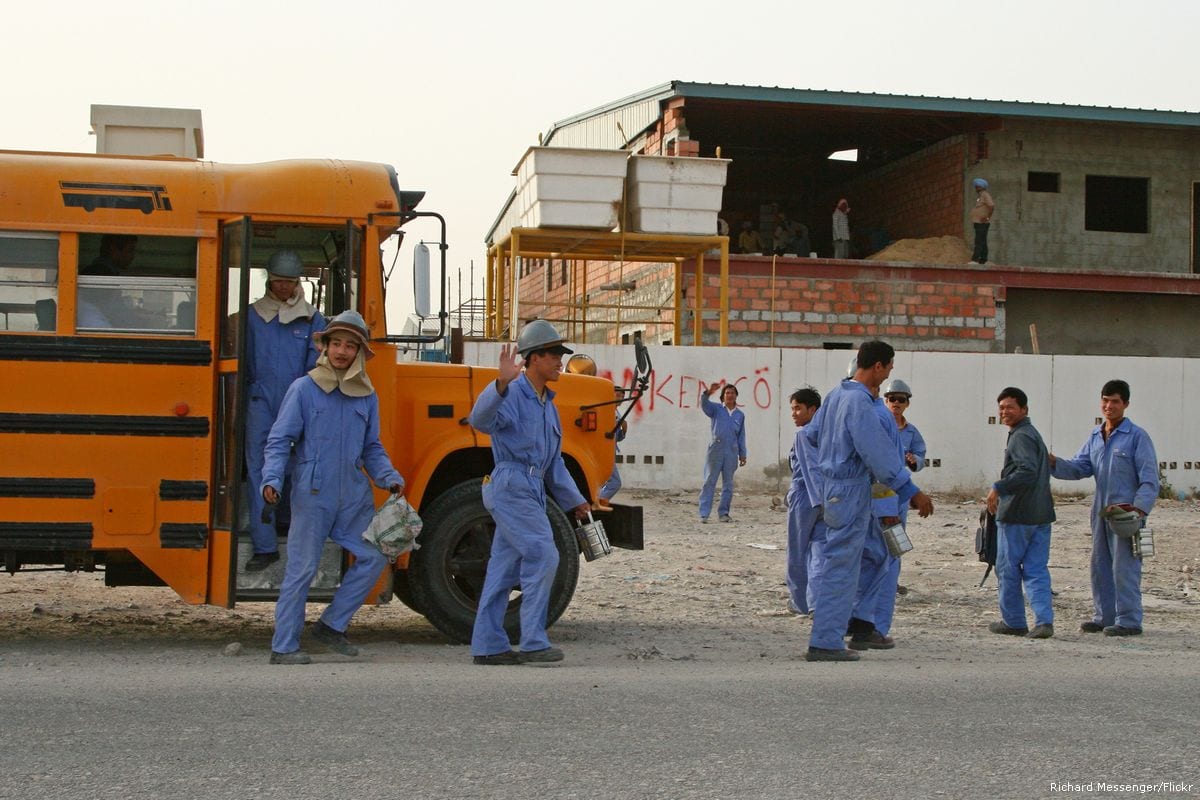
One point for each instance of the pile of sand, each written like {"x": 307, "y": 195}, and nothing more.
{"x": 934, "y": 250}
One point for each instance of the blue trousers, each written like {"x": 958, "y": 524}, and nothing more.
{"x": 1116, "y": 579}
{"x": 805, "y": 555}
{"x": 262, "y": 534}
{"x": 718, "y": 464}
{"x": 612, "y": 485}
{"x": 523, "y": 553}
{"x": 847, "y": 509}
{"x": 1023, "y": 560}
{"x": 312, "y": 523}
{"x": 875, "y": 601}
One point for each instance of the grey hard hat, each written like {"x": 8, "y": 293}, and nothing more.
{"x": 895, "y": 386}
{"x": 852, "y": 367}
{"x": 285, "y": 264}
{"x": 350, "y": 322}
{"x": 1124, "y": 523}
{"x": 540, "y": 335}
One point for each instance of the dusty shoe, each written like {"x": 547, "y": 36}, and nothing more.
{"x": 334, "y": 640}
{"x": 1044, "y": 631}
{"x": 726, "y": 518}
{"x": 1000, "y": 627}
{"x": 505, "y": 659}
{"x": 872, "y": 641}
{"x": 1121, "y": 630}
{"x": 1091, "y": 627}
{"x": 825, "y": 654}
{"x": 260, "y": 561}
{"x": 547, "y": 655}
{"x": 704, "y": 520}
{"x": 294, "y": 657}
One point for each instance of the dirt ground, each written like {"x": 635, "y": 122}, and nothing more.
{"x": 713, "y": 592}
{"x": 934, "y": 250}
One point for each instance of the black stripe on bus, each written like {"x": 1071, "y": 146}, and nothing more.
{"x": 104, "y": 425}
{"x": 107, "y": 350}
{"x": 45, "y": 535}
{"x": 47, "y": 487}
{"x": 182, "y": 490}
{"x": 183, "y": 535}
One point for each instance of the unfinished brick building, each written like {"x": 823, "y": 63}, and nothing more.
{"x": 1093, "y": 245}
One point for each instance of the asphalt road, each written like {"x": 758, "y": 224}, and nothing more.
{"x": 149, "y": 718}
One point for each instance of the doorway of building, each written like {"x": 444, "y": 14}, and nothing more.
{"x": 1195, "y": 228}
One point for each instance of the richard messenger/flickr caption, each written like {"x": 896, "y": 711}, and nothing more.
{"x": 1171, "y": 788}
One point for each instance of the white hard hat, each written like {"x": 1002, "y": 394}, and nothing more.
{"x": 852, "y": 367}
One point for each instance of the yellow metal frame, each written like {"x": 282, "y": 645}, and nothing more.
{"x": 591, "y": 245}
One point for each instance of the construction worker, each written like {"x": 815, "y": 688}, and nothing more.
{"x": 279, "y": 349}
{"x": 517, "y": 410}
{"x": 331, "y": 417}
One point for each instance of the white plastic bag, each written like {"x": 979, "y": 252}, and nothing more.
{"x": 395, "y": 527}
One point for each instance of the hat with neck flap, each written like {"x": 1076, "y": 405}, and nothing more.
{"x": 353, "y": 381}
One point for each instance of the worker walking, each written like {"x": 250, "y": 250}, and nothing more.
{"x": 517, "y": 410}
{"x": 331, "y": 417}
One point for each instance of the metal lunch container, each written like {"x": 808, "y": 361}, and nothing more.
{"x": 897, "y": 540}
{"x": 593, "y": 541}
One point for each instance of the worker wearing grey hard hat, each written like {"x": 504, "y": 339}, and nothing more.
{"x": 897, "y": 396}
{"x": 279, "y": 349}
{"x": 1121, "y": 457}
{"x": 517, "y": 410}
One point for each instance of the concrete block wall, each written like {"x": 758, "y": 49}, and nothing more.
{"x": 954, "y": 406}
{"x": 806, "y": 311}
{"x": 1047, "y": 229}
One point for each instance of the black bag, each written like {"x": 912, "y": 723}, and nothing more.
{"x": 985, "y": 542}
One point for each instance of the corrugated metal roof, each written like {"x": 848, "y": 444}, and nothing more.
{"x": 779, "y": 94}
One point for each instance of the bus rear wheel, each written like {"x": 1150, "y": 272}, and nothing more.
{"x": 445, "y": 576}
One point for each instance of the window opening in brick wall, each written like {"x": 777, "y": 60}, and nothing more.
{"x": 1043, "y": 182}
{"x": 565, "y": 273}
{"x": 1116, "y": 204}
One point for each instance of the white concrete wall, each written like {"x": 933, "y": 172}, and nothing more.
{"x": 954, "y": 407}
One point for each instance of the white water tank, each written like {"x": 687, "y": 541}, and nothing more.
{"x": 146, "y": 131}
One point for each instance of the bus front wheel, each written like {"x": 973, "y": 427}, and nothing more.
{"x": 445, "y": 576}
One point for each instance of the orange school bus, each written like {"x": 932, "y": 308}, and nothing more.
{"x": 124, "y": 287}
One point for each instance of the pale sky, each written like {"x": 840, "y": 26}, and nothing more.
{"x": 452, "y": 93}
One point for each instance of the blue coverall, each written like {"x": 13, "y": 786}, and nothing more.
{"x": 527, "y": 448}
{"x": 613, "y": 484}
{"x": 806, "y": 528}
{"x": 276, "y": 355}
{"x": 910, "y": 441}
{"x": 1126, "y": 471}
{"x": 852, "y": 447}
{"x": 336, "y": 437}
{"x": 876, "y": 599}
{"x": 727, "y": 446}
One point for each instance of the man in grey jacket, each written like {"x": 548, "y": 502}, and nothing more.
{"x": 1024, "y": 510}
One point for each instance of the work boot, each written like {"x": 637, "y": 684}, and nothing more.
{"x": 726, "y": 518}
{"x": 1000, "y": 627}
{"x": 1044, "y": 631}
{"x": 507, "y": 658}
{"x": 825, "y": 654}
{"x": 871, "y": 641}
{"x": 1121, "y": 630}
{"x": 260, "y": 561}
{"x": 294, "y": 657}
{"x": 1091, "y": 627}
{"x": 547, "y": 655}
{"x": 334, "y": 640}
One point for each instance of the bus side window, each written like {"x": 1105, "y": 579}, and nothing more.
{"x": 28, "y": 281}
{"x": 136, "y": 284}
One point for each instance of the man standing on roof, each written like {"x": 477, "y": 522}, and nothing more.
{"x": 981, "y": 218}
{"x": 841, "y": 229}
{"x": 517, "y": 411}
